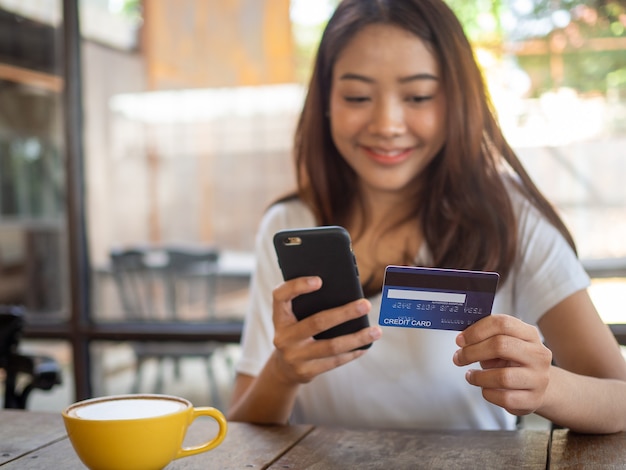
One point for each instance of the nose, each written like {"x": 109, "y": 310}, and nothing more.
{"x": 387, "y": 119}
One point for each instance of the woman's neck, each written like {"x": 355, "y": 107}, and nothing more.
{"x": 385, "y": 231}
{"x": 383, "y": 209}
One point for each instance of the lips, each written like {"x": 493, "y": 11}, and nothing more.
{"x": 387, "y": 156}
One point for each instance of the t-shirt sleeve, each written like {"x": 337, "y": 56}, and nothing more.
{"x": 547, "y": 270}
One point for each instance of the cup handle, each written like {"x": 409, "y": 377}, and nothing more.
{"x": 217, "y": 440}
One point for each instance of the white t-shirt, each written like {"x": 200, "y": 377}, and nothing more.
{"x": 407, "y": 378}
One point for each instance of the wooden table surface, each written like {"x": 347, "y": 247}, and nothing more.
{"x": 37, "y": 440}
{"x": 572, "y": 450}
{"x": 331, "y": 448}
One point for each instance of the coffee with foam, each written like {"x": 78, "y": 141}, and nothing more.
{"x": 128, "y": 408}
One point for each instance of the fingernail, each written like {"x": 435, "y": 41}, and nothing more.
{"x": 313, "y": 281}
{"x": 376, "y": 333}
{"x": 460, "y": 340}
{"x": 363, "y": 306}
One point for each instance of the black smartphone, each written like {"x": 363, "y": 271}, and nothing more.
{"x": 325, "y": 252}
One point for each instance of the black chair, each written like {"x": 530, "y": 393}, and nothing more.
{"x": 157, "y": 285}
{"x": 23, "y": 373}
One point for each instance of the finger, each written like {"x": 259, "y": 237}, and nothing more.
{"x": 346, "y": 343}
{"x": 314, "y": 357}
{"x": 510, "y": 378}
{"x": 283, "y": 294}
{"x": 327, "y": 319}
{"x": 496, "y": 348}
{"x": 305, "y": 371}
{"x": 513, "y": 388}
{"x": 304, "y": 330}
{"x": 505, "y": 350}
{"x": 286, "y": 291}
{"x": 516, "y": 402}
{"x": 494, "y": 325}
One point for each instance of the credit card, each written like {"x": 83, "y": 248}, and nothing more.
{"x": 439, "y": 299}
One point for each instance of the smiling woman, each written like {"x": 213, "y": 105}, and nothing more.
{"x": 387, "y": 105}
{"x": 398, "y": 142}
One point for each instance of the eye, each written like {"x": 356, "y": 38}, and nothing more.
{"x": 418, "y": 98}
{"x": 356, "y": 99}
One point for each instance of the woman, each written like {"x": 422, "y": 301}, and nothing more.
{"x": 397, "y": 142}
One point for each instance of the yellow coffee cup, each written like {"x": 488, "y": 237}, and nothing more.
{"x": 135, "y": 432}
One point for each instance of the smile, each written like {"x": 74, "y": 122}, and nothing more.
{"x": 387, "y": 156}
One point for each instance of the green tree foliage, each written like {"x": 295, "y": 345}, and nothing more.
{"x": 573, "y": 25}
{"x": 481, "y": 19}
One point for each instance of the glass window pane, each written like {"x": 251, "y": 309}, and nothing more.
{"x": 33, "y": 237}
{"x": 114, "y": 23}
{"x": 128, "y": 367}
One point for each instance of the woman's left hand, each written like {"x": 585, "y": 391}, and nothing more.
{"x": 515, "y": 363}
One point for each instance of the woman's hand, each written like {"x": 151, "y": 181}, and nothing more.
{"x": 299, "y": 357}
{"x": 515, "y": 363}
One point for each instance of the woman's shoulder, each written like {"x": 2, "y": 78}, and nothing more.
{"x": 519, "y": 200}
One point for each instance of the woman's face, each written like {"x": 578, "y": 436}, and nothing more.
{"x": 387, "y": 107}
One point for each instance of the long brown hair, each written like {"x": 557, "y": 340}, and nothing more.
{"x": 464, "y": 209}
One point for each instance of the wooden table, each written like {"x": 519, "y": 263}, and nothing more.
{"x": 37, "y": 440}
{"x": 573, "y": 451}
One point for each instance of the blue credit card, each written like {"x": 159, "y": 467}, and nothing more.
{"x": 440, "y": 299}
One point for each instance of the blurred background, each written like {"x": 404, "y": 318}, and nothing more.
{"x": 159, "y": 127}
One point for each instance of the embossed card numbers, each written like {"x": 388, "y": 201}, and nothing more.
{"x": 442, "y": 299}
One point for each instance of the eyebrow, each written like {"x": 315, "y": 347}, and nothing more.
{"x": 410, "y": 78}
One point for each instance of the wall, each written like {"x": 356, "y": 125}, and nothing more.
{"x": 215, "y": 43}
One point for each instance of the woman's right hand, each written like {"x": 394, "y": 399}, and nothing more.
{"x": 298, "y": 357}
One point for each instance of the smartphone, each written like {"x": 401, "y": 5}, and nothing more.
{"x": 325, "y": 252}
